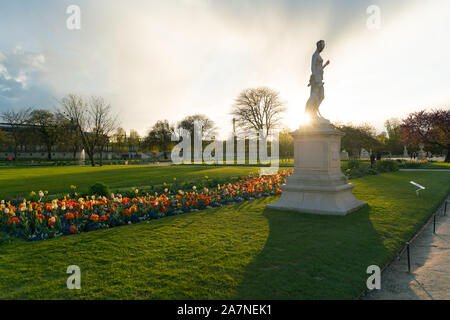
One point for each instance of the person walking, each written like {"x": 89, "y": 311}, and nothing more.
{"x": 372, "y": 159}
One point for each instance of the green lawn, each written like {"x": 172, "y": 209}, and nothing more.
{"x": 436, "y": 165}
{"x": 428, "y": 165}
{"x": 21, "y": 181}
{"x": 239, "y": 251}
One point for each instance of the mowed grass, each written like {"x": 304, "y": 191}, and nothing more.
{"x": 21, "y": 181}
{"x": 239, "y": 251}
{"x": 436, "y": 165}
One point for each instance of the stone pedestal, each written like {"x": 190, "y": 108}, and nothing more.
{"x": 405, "y": 152}
{"x": 317, "y": 185}
{"x": 364, "y": 154}
{"x": 421, "y": 154}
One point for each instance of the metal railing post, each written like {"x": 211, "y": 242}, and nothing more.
{"x": 409, "y": 258}
{"x": 434, "y": 224}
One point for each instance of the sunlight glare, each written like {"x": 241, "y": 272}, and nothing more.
{"x": 304, "y": 119}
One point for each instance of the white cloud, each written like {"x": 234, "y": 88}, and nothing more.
{"x": 21, "y": 78}
{"x": 165, "y": 60}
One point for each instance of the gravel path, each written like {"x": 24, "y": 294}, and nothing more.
{"x": 430, "y": 267}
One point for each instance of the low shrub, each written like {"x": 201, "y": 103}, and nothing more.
{"x": 386, "y": 166}
{"x": 99, "y": 189}
{"x": 354, "y": 173}
{"x": 5, "y": 238}
{"x": 353, "y": 164}
{"x": 414, "y": 164}
{"x": 360, "y": 172}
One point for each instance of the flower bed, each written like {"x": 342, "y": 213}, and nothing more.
{"x": 40, "y": 219}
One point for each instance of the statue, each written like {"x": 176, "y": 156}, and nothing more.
{"x": 421, "y": 154}
{"x": 405, "y": 152}
{"x": 317, "y": 185}
{"x": 316, "y": 83}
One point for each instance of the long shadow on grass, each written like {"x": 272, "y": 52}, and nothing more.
{"x": 314, "y": 257}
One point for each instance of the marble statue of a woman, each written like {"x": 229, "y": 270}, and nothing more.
{"x": 316, "y": 83}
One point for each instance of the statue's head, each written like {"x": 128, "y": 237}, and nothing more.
{"x": 320, "y": 45}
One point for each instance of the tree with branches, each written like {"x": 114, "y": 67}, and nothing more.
{"x": 431, "y": 128}
{"x": 45, "y": 124}
{"x": 69, "y": 137}
{"x": 93, "y": 119}
{"x": 3, "y": 137}
{"x": 393, "y": 142}
{"x": 208, "y": 126}
{"x": 357, "y": 137}
{"x": 161, "y": 136}
{"x": 258, "y": 109}
{"x": 16, "y": 120}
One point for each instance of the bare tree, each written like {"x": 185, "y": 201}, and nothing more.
{"x": 208, "y": 126}
{"x": 119, "y": 139}
{"x": 16, "y": 120}
{"x": 258, "y": 109}
{"x": 103, "y": 123}
{"x": 161, "y": 136}
{"x": 48, "y": 129}
{"x": 134, "y": 141}
{"x": 69, "y": 138}
{"x": 94, "y": 120}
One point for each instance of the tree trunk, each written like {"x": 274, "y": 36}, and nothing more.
{"x": 101, "y": 156}
{"x": 49, "y": 152}
{"x": 91, "y": 157}
{"x": 447, "y": 157}
{"x": 15, "y": 153}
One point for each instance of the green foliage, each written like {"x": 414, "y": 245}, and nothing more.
{"x": 412, "y": 165}
{"x": 357, "y": 137}
{"x": 286, "y": 144}
{"x": 360, "y": 172}
{"x": 99, "y": 189}
{"x": 353, "y": 164}
{"x": 3, "y": 137}
{"x": 160, "y": 136}
{"x": 394, "y": 142}
{"x": 5, "y": 238}
{"x": 386, "y": 166}
{"x": 424, "y": 164}
{"x": 358, "y": 169}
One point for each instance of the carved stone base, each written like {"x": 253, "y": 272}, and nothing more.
{"x": 317, "y": 185}
{"x": 337, "y": 200}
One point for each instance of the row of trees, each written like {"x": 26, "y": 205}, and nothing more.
{"x": 79, "y": 122}
{"x": 255, "y": 110}
{"x": 430, "y": 128}
{"x": 261, "y": 109}
{"x": 89, "y": 123}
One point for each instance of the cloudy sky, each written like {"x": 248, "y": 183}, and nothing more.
{"x": 168, "y": 59}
